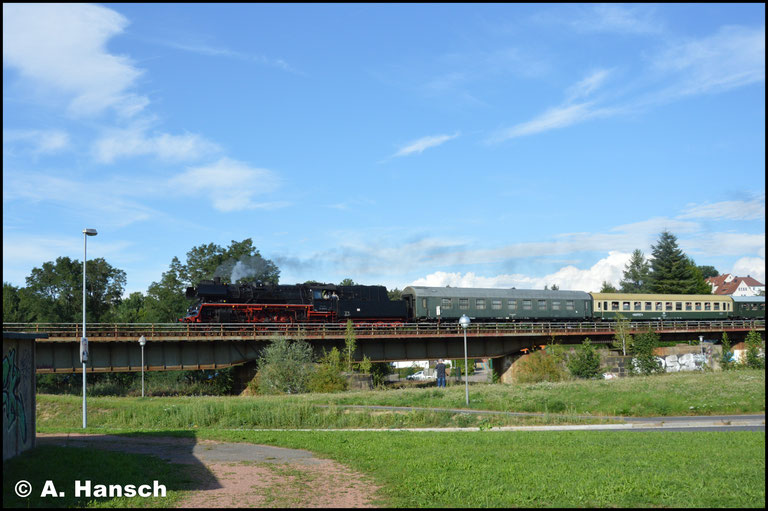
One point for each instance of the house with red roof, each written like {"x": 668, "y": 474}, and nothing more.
{"x": 735, "y": 286}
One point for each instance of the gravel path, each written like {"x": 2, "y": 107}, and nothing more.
{"x": 241, "y": 475}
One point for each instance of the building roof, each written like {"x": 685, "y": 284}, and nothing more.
{"x": 721, "y": 287}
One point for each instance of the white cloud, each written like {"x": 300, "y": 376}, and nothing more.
{"x": 750, "y": 266}
{"x": 733, "y": 57}
{"x": 421, "y": 144}
{"x": 111, "y": 202}
{"x": 38, "y": 141}
{"x": 62, "y": 47}
{"x": 609, "y": 269}
{"x": 588, "y": 85}
{"x": 728, "y": 210}
{"x": 554, "y": 118}
{"x": 134, "y": 141}
{"x": 619, "y": 19}
{"x": 231, "y": 185}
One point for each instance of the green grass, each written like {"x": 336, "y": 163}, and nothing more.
{"x": 544, "y": 469}
{"x": 730, "y": 392}
{"x": 64, "y": 465}
{"x": 483, "y": 468}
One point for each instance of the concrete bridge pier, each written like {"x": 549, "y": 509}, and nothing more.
{"x": 243, "y": 374}
{"x": 503, "y": 366}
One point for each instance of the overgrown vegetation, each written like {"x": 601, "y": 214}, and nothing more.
{"x": 754, "y": 343}
{"x": 645, "y": 361}
{"x": 285, "y": 367}
{"x": 585, "y": 363}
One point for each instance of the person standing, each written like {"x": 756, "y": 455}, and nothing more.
{"x": 440, "y": 372}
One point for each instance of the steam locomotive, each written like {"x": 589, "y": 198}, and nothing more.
{"x": 258, "y": 302}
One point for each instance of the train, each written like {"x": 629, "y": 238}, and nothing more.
{"x": 258, "y": 302}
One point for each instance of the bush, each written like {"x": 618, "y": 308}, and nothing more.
{"x": 327, "y": 375}
{"x": 285, "y": 367}
{"x": 726, "y": 360}
{"x": 754, "y": 344}
{"x": 645, "y": 362}
{"x": 586, "y": 362}
{"x": 537, "y": 367}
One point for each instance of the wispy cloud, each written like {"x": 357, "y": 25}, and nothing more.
{"x": 728, "y": 210}
{"x": 621, "y": 19}
{"x": 229, "y": 184}
{"x": 420, "y": 145}
{"x": 217, "y": 51}
{"x": 37, "y": 141}
{"x": 62, "y": 47}
{"x": 115, "y": 202}
{"x": 135, "y": 141}
{"x": 733, "y": 57}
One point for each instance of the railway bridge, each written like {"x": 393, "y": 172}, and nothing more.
{"x": 175, "y": 346}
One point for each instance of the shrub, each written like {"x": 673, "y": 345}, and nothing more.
{"x": 754, "y": 344}
{"x": 726, "y": 361}
{"x": 586, "y": 362}
{"x": 645, "y": 362}
{"x": 539, "y": 366}
{"x": 285, "y": 367}
{"x": 327, "y": 375}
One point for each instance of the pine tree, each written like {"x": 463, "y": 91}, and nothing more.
{"x": 671, "y": 271}
{"x": 636, "y": 274}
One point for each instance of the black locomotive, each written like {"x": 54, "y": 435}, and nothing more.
{"x": 258, "y": 302}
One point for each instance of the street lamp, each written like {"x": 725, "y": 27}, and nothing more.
{"x": 142, "y": 342}
{"x": 84, "y": 340}
{"x": 464, "y": 322}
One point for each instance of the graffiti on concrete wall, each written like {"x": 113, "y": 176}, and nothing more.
{"x": 13, "y": 400}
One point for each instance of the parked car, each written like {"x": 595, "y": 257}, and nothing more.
{"x": 420, "y": 376}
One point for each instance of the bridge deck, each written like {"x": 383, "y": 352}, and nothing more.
{"x": 122, "y": 332}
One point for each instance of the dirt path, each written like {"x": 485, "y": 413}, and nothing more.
{"x": 241, "y": 475}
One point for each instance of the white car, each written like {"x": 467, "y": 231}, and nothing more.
{"x": 419, "y": 376}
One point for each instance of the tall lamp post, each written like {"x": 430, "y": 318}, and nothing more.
{"x": 464, "y": 322}
{"x": 142, "y": 342}
{"x": 84, "y": 340}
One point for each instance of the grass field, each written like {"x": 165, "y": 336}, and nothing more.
{"x": 484, "y": 468}
{"x": 729, "y": 392}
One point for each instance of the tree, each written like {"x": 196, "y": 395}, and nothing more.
{"x": 672, "y": 272}
{"x": 698, "y": 285}
{"x": 608, "y": 288}
{"x": 645, "y": 361}
{"x": 54, "y": 292}
{"x": 285, "y": 367}
{"x": 726, "y": 360}
{"x": 131, "y": 310}
{"x": 350, "y": 344}
{"x": 754, "y": 344}
{"x": 621, "y": 337}
{"x": 586, "y": 362}
{"x": 166, "y": 300}
{"x": 347, "y": 282}
{"x": 708, "y": 271}
{"x": 395, "y": 294}
{"x": 636, "y": 274}
{"x": 240, "y": 261}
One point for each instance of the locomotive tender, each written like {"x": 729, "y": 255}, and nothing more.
{"x": 314, "y": 302}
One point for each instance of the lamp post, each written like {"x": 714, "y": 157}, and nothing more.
{"x": 142, "y": 342}
{"x": 84, "y": 340}
{"x": 464, "y": 322}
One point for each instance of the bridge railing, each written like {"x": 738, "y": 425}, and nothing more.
{"x": 125, "y": 331}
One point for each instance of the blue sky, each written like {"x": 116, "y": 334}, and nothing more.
{"x": 471, "y": 145}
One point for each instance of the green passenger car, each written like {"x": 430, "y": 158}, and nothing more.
{"x": 749, "y": 307}
{"x": 450, "y": 303}
{"x": 665, "y": 307}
